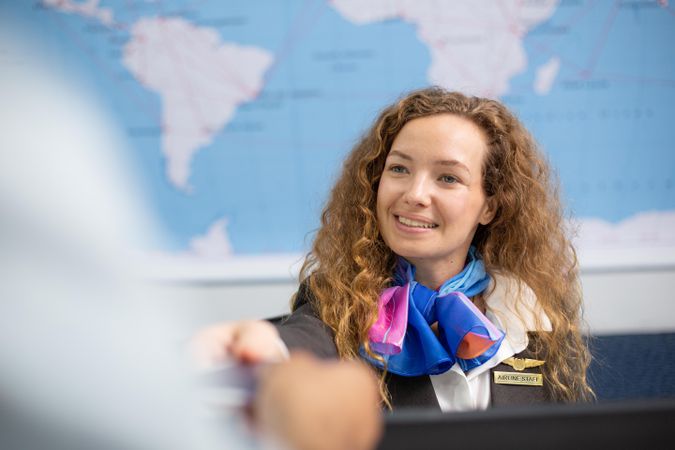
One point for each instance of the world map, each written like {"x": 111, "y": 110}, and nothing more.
{"x": 239, "y": 114}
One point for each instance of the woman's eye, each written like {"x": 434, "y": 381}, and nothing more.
{"x": 448, "y": 179}
{"x": 398, "y": 169}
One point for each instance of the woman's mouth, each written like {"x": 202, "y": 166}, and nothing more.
{"x": 412, "y": 223}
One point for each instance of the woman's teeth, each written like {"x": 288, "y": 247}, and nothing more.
{"x": 415, "y": 223}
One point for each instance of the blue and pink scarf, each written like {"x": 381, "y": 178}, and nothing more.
{"x": 402, "y": 333}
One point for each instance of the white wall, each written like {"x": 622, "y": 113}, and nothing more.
{"x": 630, "y": 302}
{"x": 616, "y": 302}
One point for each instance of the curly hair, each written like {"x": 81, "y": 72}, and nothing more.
{"x": 349, "y": 263}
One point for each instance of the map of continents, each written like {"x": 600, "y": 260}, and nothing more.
{"x": 238, "y": 115}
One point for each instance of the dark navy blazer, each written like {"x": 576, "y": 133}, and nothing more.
{"x": 303, "y": 330}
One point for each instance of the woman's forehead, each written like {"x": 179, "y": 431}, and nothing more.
{"x": 441, "y": 138}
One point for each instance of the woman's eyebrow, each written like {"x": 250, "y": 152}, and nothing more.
{"x": 452, "y": 163}
{"x": 400, "y": 154}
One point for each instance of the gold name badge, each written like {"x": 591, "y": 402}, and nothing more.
{"x": 520, "y": 379}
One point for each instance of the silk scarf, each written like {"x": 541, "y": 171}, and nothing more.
{"x": 403, "y": 336}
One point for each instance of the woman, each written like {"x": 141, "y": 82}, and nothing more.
{"x": 442, "y": 260}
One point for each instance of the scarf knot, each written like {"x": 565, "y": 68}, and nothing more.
{"x": 403, "y": 334}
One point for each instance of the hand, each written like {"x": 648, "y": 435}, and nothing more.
{"x": 250, "y": 341}
{"x": 312, "y": 404}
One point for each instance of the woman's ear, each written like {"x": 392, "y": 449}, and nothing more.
{"x": 489, "y": 211}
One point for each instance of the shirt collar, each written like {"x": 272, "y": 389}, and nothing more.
{"x": 512, "y": 306}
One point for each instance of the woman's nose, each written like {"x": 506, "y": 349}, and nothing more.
{"x": 418, "y": 192}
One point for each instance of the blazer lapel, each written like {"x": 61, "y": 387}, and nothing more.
{"x": 509, "y": 395}
{"x": 412, "y": 392}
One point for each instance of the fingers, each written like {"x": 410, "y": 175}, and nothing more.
{"x": 247, "y": 342}
{"x": 211, "y": 346}
{"x": 256, "y": 342}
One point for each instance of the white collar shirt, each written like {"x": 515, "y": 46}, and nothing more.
{"x": 512, "y": 307}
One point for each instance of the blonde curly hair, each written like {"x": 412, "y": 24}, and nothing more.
{"x": 349, "y": 263}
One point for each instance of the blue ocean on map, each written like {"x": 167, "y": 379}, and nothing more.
{"x": 604, "y": 121}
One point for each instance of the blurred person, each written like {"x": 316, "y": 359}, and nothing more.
{"x": 91, "y": 355}
{"x": 89, "y": 351}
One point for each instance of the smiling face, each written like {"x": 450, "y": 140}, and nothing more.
{"x": 430, "y": 199}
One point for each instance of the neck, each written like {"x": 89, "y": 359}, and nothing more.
{"x": 434, "y": 275}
